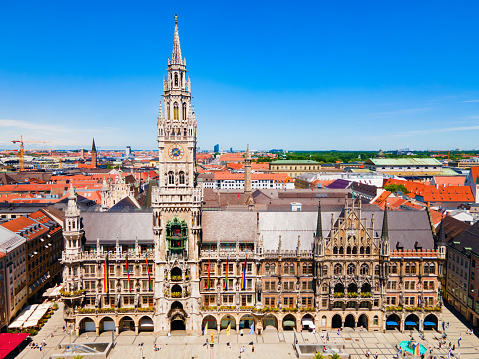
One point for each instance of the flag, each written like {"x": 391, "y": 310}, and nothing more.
{"x": 128, "y": 272}
{"x": 251, "y": 330}
{"x": 205, "y": 331}
{"x": 228, "y": 330}
{"x": 416, "y": 349}
{"x": 243, "y": 285}
{"x": 148, "y": 271}
{"x": 212, "y": 338}
{"x": 225, "y": 287}
{"x": 106, "y": 274}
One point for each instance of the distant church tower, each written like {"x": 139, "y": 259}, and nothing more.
{"x": 94, "y": 163}
{"x": 176, "y": 203}
{"x": 247, "y": 172}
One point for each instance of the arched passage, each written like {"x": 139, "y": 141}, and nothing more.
{"x": 412, "y": 321}
{"x": 178, "y": 323}
{"x": 246, "y": 321}
{"x": 227, "y": 320}
{"x": 336, "y": 322}
{"x": 350, "y": 321}
{"x": 270, "y": 320}
{"x": 87, "y": 325}
{"x": 126, "y": 323}
{"x": 210, "y": 320}
{"x": 107, "y": 324}
{"x": 308, "y": 322}
{"x": 393, "y": 322}
{"x": 289, "y": 322}
{"x": 363, "y": 321}
{"x": 146, "y": 324}
{"x": 430, "y": 322}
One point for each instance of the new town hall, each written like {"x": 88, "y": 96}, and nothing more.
{"x": 249, "y": 262}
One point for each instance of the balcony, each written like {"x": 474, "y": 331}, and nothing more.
{"x": 114, "y": 310}
{"x": 73, "y": 295}
{"x": 112, "y": 256}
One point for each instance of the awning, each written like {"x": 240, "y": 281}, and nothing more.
{"x": 148, "y": 325}
{"x": 288, "y": 323}
{"x": 308, "y": 322}
{"x": 390, "y": 322}
{"x": 430, "y": 324}
{"x": 410, "y": 323}
{"x": 9, "y": 341}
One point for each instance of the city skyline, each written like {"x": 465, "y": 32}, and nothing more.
{"x": 354, "y": 77}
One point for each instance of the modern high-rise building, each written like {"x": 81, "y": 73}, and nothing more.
{"x": 185, "y": 265}
{"x": 128, "y": 151}
{"x": 216, "y": 148}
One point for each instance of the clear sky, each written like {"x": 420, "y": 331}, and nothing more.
{"x": 309, "y": 75}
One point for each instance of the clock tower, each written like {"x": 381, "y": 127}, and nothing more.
{"x": 176, "y": 203}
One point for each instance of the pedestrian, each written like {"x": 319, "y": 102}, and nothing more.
{"x": 447, "y": 326}
{"x": 376, "y": 355}
{"x": 86, "y": 336}
{"x": 440, "y": 344}
{"x": 459, "y": 341}
{"x": 63, "y": 329}
{"x": 51, "y": 335}
{"x": 169, "y": 334}
{"x": 252, "y": 349}
{"x": 443, "y": 325}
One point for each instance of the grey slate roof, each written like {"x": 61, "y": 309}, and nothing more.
{"x": 405, "y": 227}
{"x": 290, "y": 225}
{"x": 228, "y": 225}
{"x": 126, "y": 226}
{"x": 9, "y": 240}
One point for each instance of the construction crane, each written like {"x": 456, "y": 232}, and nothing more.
{"x": 21, "y": 160}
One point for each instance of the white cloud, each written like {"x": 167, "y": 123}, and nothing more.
{"x": 399, "y": 112}
{"x": 470, "y": 101}
{"x": 33, "y": 126}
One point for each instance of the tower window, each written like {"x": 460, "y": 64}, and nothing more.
{"x": 184, "y": 112}
{"x": 176, "y": 79}
{"x": 175, "y": 111}
{"x": 182, "y": 177}
{"x": 171, "y": 178}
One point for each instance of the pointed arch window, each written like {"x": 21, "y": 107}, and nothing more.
{"x": 176, "y": 78}
{"x": 338, "y": 269}
{"x": 182, "y": 177}
{"x": 171, "y": 177}
{"x": 184, "y": 112}
{"x": 364, "y": 269}
{"x": 176, "y": 110}
{"x": 351, "y": 269}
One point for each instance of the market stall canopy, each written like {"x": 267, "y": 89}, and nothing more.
{"x": 9, "y": 341}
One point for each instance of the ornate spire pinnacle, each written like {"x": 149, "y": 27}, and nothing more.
{"x": 93, "y": 147}
{"x": 385, "y": 231}
{"x": 319, "y": 226}
{"x": 176, "y": 55}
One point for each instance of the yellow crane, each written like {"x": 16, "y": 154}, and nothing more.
{"x": 21, "y": 160}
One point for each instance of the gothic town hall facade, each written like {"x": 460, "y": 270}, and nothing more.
{"x": 181, "y": 266}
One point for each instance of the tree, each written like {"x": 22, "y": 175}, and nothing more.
{"x": 393, "y": 187}
{"x": 334, "y": 356}
{"x": 318, "y": 355}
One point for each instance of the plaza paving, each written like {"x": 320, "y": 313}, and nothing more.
{"x": 269, "y": 345}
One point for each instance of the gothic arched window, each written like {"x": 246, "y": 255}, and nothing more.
{"x": 348, "y": 250}
{"x": 355, "y": 250}
{"x": 351, "y": 269}
{"x": 184, "y": 112}
{"x": 338, "y": 269}
{"x": 364, "y": 269}
{"x": 176, "y": 111}
{"x": 171, "y": 178}
{"x": 176, "y": 78}
{"x": 361, "y": 250}
{"x": 335, "y": 250}
{"x": 325, "y": 270}
{"x": 182, "y": 177}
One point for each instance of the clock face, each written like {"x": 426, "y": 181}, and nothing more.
{"x": 176, "y": 152}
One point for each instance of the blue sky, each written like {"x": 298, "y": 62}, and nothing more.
{"x": 311, "y": 75}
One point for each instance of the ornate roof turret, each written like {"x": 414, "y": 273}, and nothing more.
{"x": 72, "y": 208}
{"x": 319, "y": 225}
{"x": 176, "y": 58}
{"x": 385, "y": 230}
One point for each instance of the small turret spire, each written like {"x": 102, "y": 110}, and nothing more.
{"x": 93, "y": 147}
{"x": 385, "y": 231}
{"x": 176, "y": 55}
{"x": 319, "y": 225}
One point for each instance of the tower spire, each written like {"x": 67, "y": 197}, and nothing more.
{"x": 385, "y": 230}
{"x": 176, "y": 55}
{"x": 319, "y": 226}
